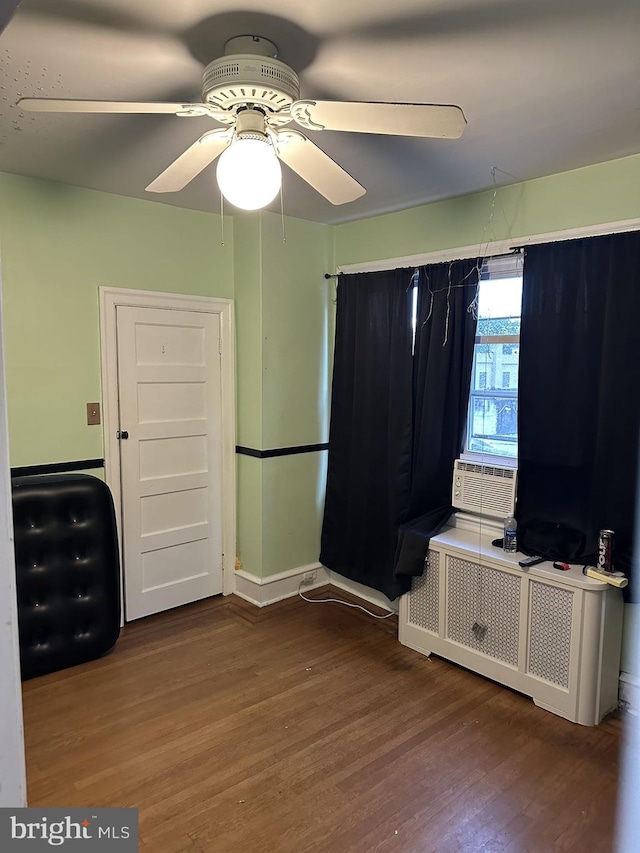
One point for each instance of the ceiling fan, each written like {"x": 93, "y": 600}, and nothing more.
{"x": 255, "y": 97}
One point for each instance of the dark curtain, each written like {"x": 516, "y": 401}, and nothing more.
{"x": 579, "y": 397}
{"x": 443, "y": 361}
{"x": 368, "y": 477}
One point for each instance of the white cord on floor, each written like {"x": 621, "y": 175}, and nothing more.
{"x": 339, "y": 601}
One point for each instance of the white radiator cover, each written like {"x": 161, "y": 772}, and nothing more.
{"x": 554, "y": 636}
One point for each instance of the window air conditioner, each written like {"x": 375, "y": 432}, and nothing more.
{"x": 484, "y": 489}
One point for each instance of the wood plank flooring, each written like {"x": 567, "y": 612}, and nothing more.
{"x": 308, "y": 727}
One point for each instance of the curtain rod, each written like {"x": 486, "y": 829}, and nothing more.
{"x": 493, "y": 248}
{"x": 516, "y": 250}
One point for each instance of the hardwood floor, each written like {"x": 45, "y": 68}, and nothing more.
{"x": 306, "y": 727}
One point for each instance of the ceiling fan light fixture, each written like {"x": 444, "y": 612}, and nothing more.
{"x": 249, "y": 173}
{"x": 255, "y": 96}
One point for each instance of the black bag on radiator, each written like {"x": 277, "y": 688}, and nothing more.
{"x": 67, "y": 570}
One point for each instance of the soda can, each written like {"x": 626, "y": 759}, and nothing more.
{"x": 605, "y": 551}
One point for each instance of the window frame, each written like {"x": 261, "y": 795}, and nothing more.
{"x": 494, "y": 268}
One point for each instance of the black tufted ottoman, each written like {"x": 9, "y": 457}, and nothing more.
{"x": 67, "y": 570}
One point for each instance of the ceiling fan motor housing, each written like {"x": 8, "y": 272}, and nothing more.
{"x": 249, "y": 80}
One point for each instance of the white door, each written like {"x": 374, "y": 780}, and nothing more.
{"x": 170, "y": 424}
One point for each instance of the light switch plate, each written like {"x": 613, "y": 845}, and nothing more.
{"x": 93, "y": 414}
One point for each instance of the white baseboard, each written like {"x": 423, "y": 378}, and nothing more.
{"x": 630, "y": 692}
{"x": 362, "y": 591}
{"x": 268, "y": 590}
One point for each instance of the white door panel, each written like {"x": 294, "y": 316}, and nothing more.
{"x": 160, "y": 345}
{"x": 164, "y": 512}
{"x": 162, "y": 401}
{"x": 170, "y": 406}
{"x": 171, "y": 457}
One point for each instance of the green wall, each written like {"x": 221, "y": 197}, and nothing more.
{"x": 248, "y": 319}
{"x": 58, "y": 245}
{"x": 296, "y": 305}
{"x": 296, "y": 344}
{"x": 607, "y": 192}
{"x": 293, "y": 501}
{"x": 285, "y": 300}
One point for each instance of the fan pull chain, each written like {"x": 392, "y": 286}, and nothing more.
{"x": 284, "y": 235}
{"x": 221, "y": 219}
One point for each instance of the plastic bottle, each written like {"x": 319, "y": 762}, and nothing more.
{"x": 510, "y": 541}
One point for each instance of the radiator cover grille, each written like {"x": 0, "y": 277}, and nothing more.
{"x": 479, "y": 593}
{"x": 550, "y": 633}
{"x": 424, "y": 600}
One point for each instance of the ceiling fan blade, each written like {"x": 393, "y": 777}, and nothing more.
{"x": 6, "y": 13}
{"x": 426, "y": 120}
{"x": 80, "y": 12}
{"x": 317, "y": 168}
{"x": 190, "y": 163}
{"x": 55, "y": 105}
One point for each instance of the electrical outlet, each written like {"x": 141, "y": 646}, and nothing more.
{"x": 308, "y": 578}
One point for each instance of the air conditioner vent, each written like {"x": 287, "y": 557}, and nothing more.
{"x": 484, "y": 489}
{"x": 486, "y": 470}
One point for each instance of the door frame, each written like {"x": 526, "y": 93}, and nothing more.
{"x": 112, "y": 297}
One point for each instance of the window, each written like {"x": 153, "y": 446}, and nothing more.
{"x": 492, "y": 424}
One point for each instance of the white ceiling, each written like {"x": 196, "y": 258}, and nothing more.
{"x": 546, "y": 86}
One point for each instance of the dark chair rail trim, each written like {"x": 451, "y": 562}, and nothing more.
{"x": 57, "y": 467}
{"x": 280, "y": 451}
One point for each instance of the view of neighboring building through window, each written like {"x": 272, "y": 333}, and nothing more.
{"x": 492, "y": 426}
